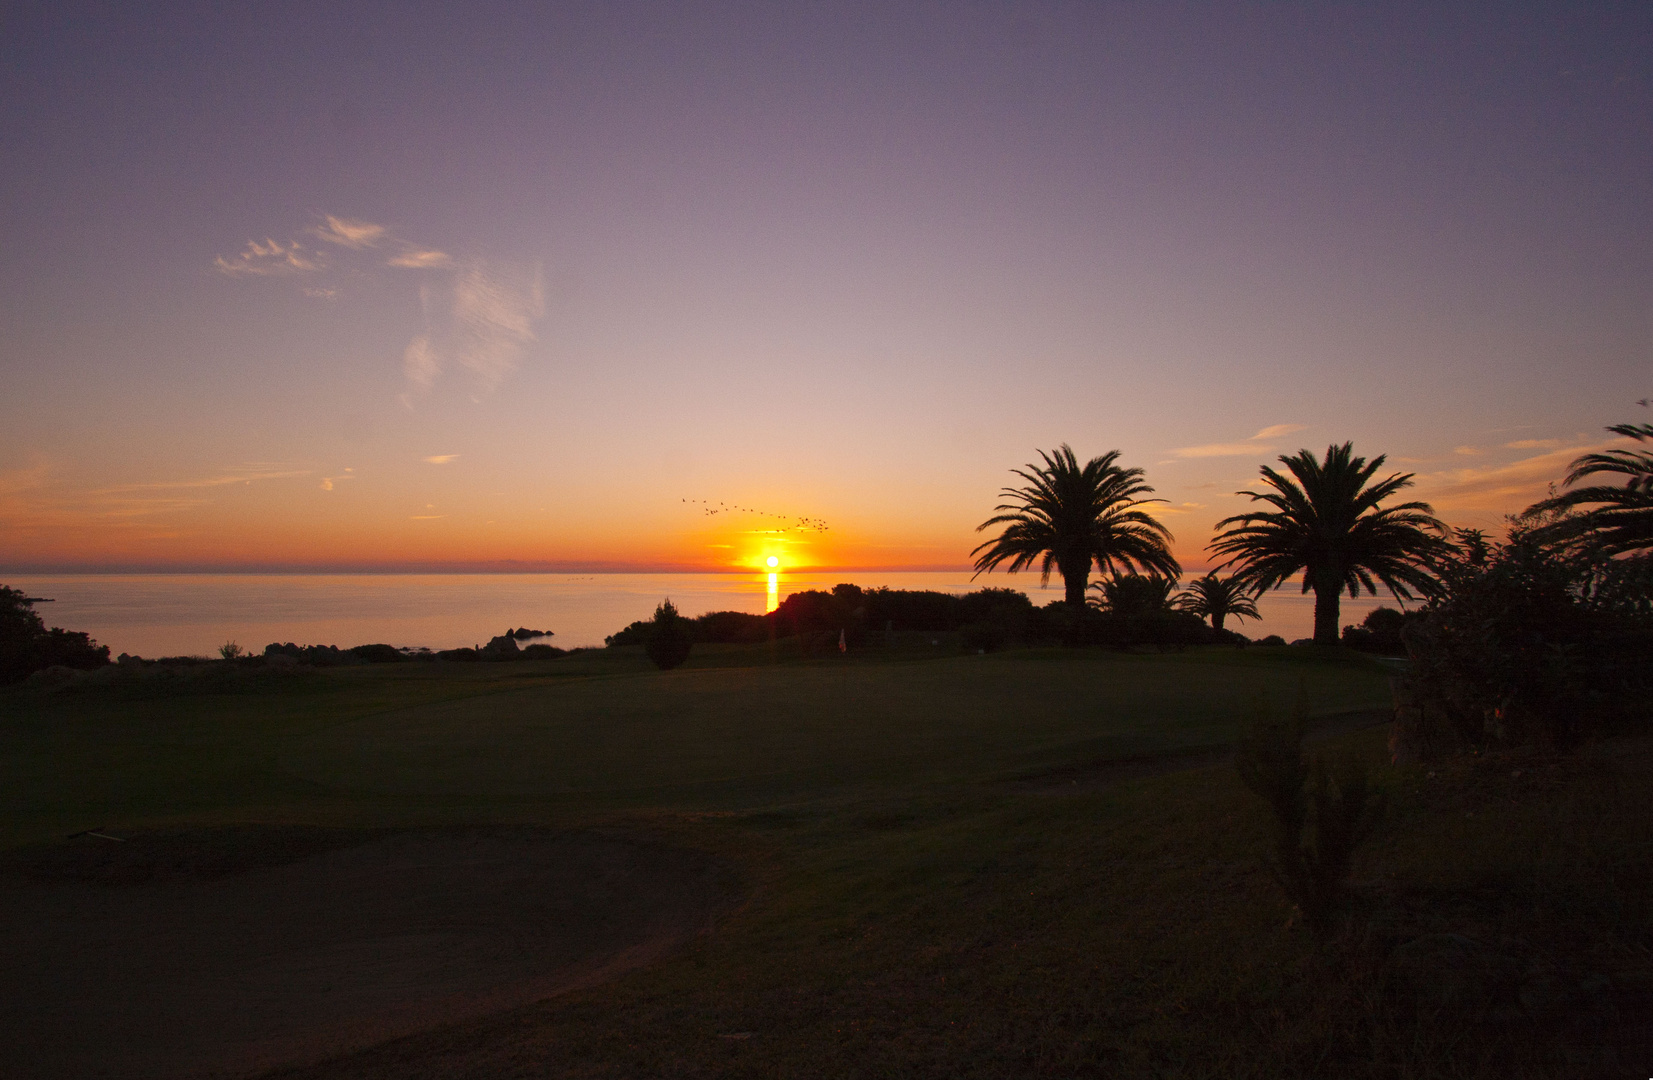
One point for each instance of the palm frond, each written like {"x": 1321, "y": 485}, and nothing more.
{"x": 1326, "y": 521}
{"x": 1069, "y": 516}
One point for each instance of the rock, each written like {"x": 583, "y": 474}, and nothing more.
{"x": 503, "y": 647}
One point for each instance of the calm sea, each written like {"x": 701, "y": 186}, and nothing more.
{"x": 181, "y": 614}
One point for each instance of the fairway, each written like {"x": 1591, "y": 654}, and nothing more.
{"x": 543, "y": 741}
{"x": 1025, "y": 863}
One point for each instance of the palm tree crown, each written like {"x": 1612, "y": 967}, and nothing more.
{"x": 1133, "y": 594}
{"x": 1326, "y": 522}
{"x": 1071, "y": 516}
{"x": 1622, "y": 520}
{"x": 1216, "y": 598}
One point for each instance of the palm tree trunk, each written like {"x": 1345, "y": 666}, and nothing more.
{"x": 1325, "y": 613}
{"x": 1075, "y": 578}
{"x": 1217, "y": 620}
{"x": 1076, "y": 584}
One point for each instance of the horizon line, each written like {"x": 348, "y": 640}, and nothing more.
{"x": 496, "y": 567}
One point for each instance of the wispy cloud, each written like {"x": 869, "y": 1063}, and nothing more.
{"x": 275, "y": 258}
{"x": 495, "y": 312}
{"x": 269, "y": 259}
{"x": 482, "y": 323}
{"x": 413, "y": 258}
{"x": 34, "y": 502}
{"x": 1533, "y": 444}
{"x": 1174, "y": 509}
{"x": 1257, "y": 444}
{"x": 1504, "y": 489}
{"x": 441, "y": 459}
{"x": 478, "y": 315}
{"x": 420, "y": 364}
{"x": 347, "y": 232}
{"x": 1466, "y": 451}
{"x": 243, "y": 474}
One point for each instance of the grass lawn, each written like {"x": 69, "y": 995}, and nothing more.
{"x": 944, "y": 874}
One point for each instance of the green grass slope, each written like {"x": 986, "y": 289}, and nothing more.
{"x": 945, "y": 878}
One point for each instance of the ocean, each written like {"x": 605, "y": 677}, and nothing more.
{"x": 193, "y": 614}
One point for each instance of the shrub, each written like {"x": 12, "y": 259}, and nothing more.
{"x": 635, "y": 634}
{"x": 378, "y": 654}
{"x": 1379, "y": 632}
{"x": 230, "y": 651}
{"x": 1528, "y": 642}
{"x": 730, "y": 627}
{"x": 26, "y": 645}
{"x": 1321, "y": 813}
{"x": 670, "y": 637}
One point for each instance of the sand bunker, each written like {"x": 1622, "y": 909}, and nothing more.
{"x": 226, "y": 952}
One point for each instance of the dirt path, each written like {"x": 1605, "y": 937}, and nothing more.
{"x": 229, "y": 952}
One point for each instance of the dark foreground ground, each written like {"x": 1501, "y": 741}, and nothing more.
{"x": 1037, "y": 864}
{"x": 229, "y": 951}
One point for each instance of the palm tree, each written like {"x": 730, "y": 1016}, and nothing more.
{"x": 1622, "y": 520}
{"x": 1216, "y": 598}
{"x": 1068, "y": 517}
{"x": 1133, "y": 594}
{"x": 1327, "y": 523}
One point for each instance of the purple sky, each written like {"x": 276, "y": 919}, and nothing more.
{"x": 826, "y": 261}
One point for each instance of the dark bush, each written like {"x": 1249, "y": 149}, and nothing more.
{"x": 730, "y": 628}
{"x": 1272, "y": 639}
{"x": 26, "y": 646}
{"x": 1380, "y": 632}
{"x": 817, "y": 618}
{"x": 542, "y": 652}
{"x": 314, "y": 655}
{"x": 378, "y": 654}
{"x": 1525, "y": 645}
{"x": 670, "y": 637}
{"x": 635, "y": 634}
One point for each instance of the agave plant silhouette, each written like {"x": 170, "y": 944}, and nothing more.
{"x": 1620, "y": 519}
{"x": 1069, "y": 517}
{"x": 1327, "y": 523}
{"x": 1216, "y": 598}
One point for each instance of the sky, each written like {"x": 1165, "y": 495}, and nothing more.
{"x": 681, "y": 286}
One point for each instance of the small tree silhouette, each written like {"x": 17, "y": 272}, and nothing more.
{"x": 670, "y": 637}
{"x": 1321, "y": 813}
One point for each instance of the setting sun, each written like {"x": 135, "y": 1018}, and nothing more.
{"x": 772, "y": 562}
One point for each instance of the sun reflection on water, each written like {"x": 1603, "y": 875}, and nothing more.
{"x": 774, "y": 600}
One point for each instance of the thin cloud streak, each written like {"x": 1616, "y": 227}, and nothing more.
{"x": 1257, "y": 444}
{"x": 420, "y": 259}
{"x": 347, "y": 232}
{"x": 1515, "y": 484}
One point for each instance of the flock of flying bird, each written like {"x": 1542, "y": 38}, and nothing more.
{"x": 798, "y": 524}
